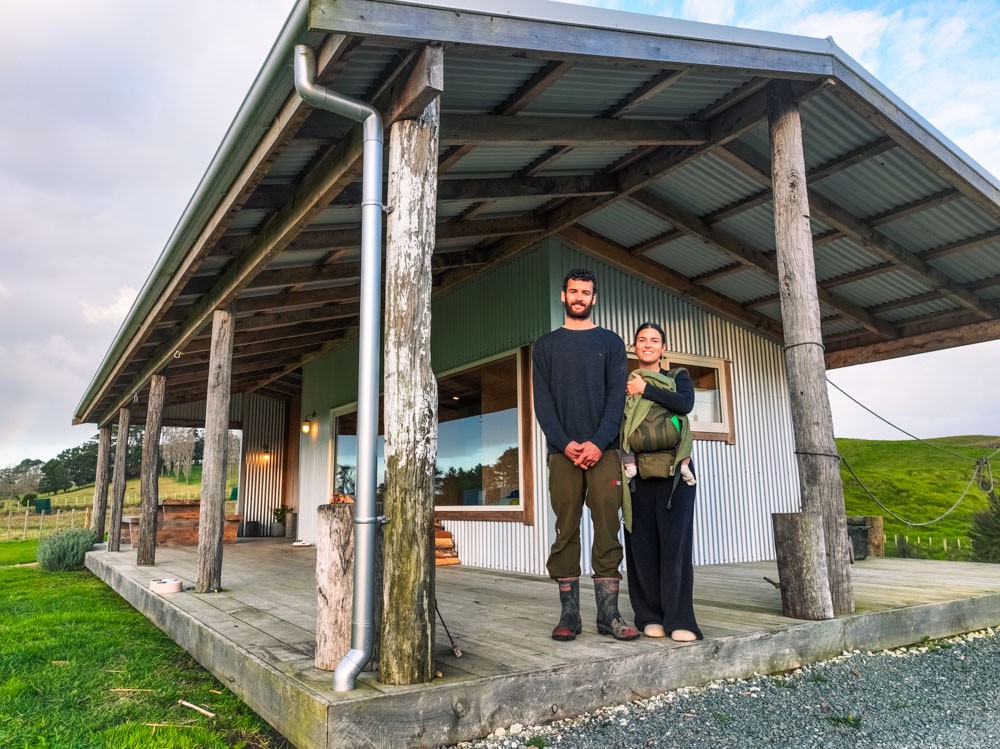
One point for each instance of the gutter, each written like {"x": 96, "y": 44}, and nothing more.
{"x": 261, "y": 104}
{"x": 365, "y": 520}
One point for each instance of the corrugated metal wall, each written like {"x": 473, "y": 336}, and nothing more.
{"x": 740, "y": 485}
{"x": 264, "y": 451}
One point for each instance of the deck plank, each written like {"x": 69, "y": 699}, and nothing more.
{"x": 258, "y": 636}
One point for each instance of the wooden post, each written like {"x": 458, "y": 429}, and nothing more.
{"x": 100, "y": 506}
{"x": 212, "y": 514}
{"x": 118, "y": 480}
{"x": 801, "y": 551}
{"x": 334, "y": 583}
{"x": 149, "y": 475}
{"x": 876, "y": 535}
{"x": 410, "y": 404}
{"x": 815, "y": 448}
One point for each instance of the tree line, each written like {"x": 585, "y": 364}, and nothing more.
{"x": 180, "y": 449}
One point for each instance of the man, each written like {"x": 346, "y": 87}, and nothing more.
{"x": 578, "y": 376}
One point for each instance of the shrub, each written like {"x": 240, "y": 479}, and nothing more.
{"x": 985, "y": 532}
{"x": 28, "y": 499}
{"x": 64, "y": 551}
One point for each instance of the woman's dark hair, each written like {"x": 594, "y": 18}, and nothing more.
{"x": 579, "y": 274}
{"x": 654, "y": 326}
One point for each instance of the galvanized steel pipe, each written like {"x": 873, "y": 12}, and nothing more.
{"x": 362, "y": 621}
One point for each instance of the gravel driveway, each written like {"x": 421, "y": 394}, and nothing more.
{"x": 940, "y": 694}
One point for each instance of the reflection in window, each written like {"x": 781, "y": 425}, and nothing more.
{"x": 478, "y": 462}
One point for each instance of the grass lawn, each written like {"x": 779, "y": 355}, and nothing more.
{"x": 80, "y": 668}
{"x": 18, "y": 552}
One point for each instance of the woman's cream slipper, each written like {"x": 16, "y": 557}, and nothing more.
{"x": 654, "y": 630}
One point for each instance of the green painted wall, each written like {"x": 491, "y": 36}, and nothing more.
{"x": 503, "y": 309}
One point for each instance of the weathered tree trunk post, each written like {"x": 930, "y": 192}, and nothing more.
{"x": 212, "y": 513}
{"x": 334, "y": 582}
{"x": 876, "y": 535}
{"x": 149, "y": 475}
{"x": 100, "y": 505}
{"x": 815, "y": 448}
{"x": 118, "y": 480}
{"x": 801, "y": 552}
{"x": 410, "y": 404}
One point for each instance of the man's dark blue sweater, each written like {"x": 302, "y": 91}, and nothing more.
{"x": 578, "y": 383}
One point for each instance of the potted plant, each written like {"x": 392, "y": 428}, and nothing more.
{"x": 280, "y": 515}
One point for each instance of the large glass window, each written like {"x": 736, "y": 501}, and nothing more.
{"x": 480, "y": 460}
{"x": 712, "y": 417}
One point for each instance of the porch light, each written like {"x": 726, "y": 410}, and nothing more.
{"x": 266, "y": 454}
{"x": 307, "y": 423}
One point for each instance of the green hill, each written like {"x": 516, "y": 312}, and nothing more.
{"x": 918, "y": 483}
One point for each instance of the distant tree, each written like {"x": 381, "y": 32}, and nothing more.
{"x": 985, "y": 532}
{"x": 27, "y": 475}
{"x": 7, "y": 482}
{"x": 81, "y": 462}
{"x": 55, "y": 477}
{"x": 177, "y": 446}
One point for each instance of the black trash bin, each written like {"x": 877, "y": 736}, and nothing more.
{"x": 252, "y": 529}
{"x": 859, "y": 540}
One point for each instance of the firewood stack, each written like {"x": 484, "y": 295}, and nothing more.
{"x": 444, "y": 546}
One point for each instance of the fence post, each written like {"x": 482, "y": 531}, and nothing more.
{"x": 25, "y": 524}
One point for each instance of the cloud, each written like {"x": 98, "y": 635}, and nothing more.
{"x": 709, "y": 11}
{"x": 4, "y": 291}
{"x": 113, "y": 312}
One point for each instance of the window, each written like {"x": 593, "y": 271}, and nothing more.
{"x": 712, "y": 416}
{"x": 483, "y": 468}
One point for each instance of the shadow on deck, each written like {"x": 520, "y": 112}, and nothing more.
{"x": 258, "y": 636}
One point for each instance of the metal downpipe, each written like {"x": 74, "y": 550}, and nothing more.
{"x": 362, "y": 621}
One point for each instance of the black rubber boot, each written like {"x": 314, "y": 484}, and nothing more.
{"x": 569, "y": 625}
{"x": 609, "y": 619}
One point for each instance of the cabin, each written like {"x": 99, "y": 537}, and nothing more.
{"x": 763, "y": 197}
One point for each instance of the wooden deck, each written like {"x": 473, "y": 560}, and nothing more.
{"x": 257, "y": 636}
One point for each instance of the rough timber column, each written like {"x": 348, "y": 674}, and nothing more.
{"x": 118, "y": 480}
{"x": 149, "y": 474}
{"x": 407, "y": 655}
{"x": 101, "y": 482}
{"x": 213, "y": 472}
{"x": 815, "y": 448}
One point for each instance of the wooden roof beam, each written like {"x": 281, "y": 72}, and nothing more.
{"x": 405, "y": 99}
{"x": 754, "y": 164}
{"x": 752, "y": 258}
{"x": 619, "y": 257}
{"x": 525, "y": 94}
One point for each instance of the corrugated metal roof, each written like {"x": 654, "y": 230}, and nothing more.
{"x": 688, "y": 256}
{"x": 753, "y": 227}
{"x": 587, "y": 90}
{"x": 584, "y": 160}
{"x": 842, "y": 256}
{"x": 919, "y": 310}
{"x": 934, "y": 227}
{"x": 889, "y": 180}
{"x": 745, "y": 285}
{"x": 968, "y": 267}
{"x": 496, "y": 161}
{"x": 886, "y": 287}
{"x": 625, "y": 223}
{"x": 478, "y": 84}
{"x": 691, "y": 93}
{"x": 512, "y": 206}
{"x": 705, "y": 185}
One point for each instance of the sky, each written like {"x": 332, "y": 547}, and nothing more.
{"x": 114, "y": 109}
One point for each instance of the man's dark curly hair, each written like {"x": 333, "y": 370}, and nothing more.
{"x": 579, "y": 274}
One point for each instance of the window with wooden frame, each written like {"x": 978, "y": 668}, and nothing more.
{"x": 484, "y": 443}
{"x": 712, "y": 415}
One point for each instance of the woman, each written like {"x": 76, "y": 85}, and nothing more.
{"x": 659, "y": 514}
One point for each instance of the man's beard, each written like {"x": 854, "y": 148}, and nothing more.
{"x": 570, "y": 313}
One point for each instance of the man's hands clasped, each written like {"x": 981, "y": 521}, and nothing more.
{"x": 583, "y": 455}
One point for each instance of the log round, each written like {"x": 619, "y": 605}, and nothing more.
{"x": 801, "y": 553}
